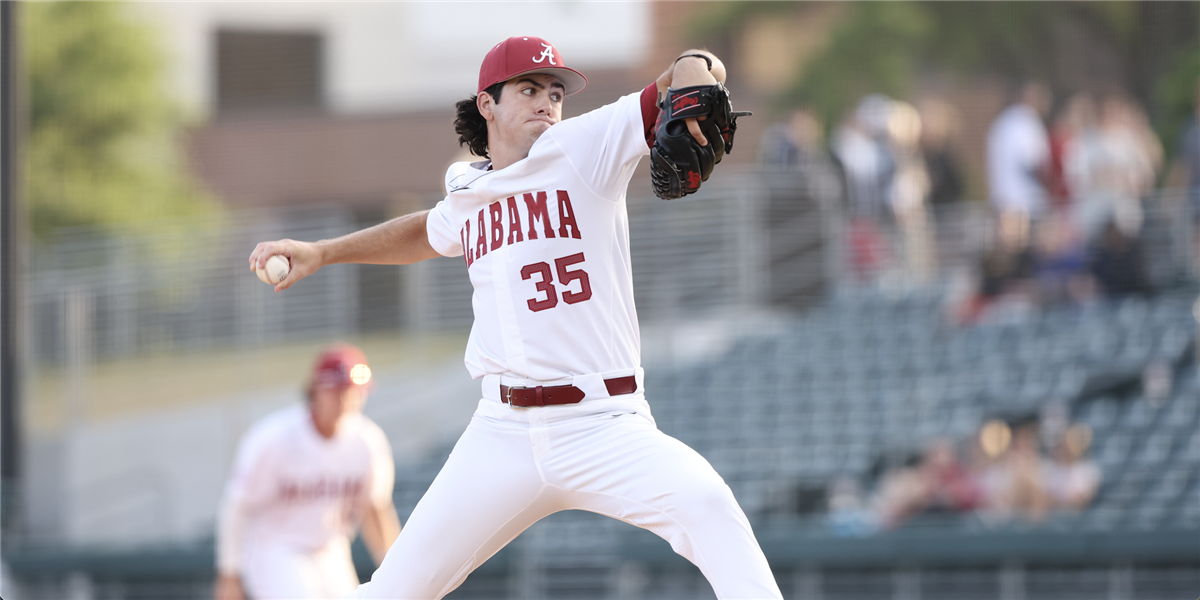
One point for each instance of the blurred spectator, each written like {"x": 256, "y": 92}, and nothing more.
{"x": 860, "y": 145}
{"x": 940, "y": 124}
{"x": 867, "y": 247}
{"x": 1018, "y": 153}
{"x": 1059, "y": 137}
{"x": 939, "y": 484}
{"x": 1074, "y": 141}
{"x": 1022, "y": 490}
{"x": 1061, "y": 263}
{"x": 950, "y": 487}
{"x": 991, "y": 444}
{"x": 1120, "y": 169}
{"x": 848, "y": 514}
{"x": 798, "y": 145}
{"x": 1004, "y": 282}
{"x": 878, "y": 146}
{"x": 784, "y": 143}
{"x": 1148, "y": 146}
{"x": 1072, "y": 479}
{"x": 910, "y": 181}
{"x": 1118, "y": 264}
{"x": 900, "y": 495}
{"x": 909, "y": 191}
{"x": 1008, "y": 478}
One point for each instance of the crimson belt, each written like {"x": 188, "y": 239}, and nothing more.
{"x": 522, "y": 396}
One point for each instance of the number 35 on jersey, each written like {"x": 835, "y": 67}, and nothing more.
{"x": 511, "y": 222}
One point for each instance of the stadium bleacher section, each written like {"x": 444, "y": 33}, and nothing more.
{"x": 868, "y": 378}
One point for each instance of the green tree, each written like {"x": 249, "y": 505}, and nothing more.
{"x": 854, "y": 63}
{"x": 102, "y": 145}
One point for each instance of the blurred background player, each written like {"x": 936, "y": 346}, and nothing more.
{"x": 304, "y": 478}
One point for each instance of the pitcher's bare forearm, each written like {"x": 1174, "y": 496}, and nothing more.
{"x": 687, "y": 70}
{"x": 400, "y": 241}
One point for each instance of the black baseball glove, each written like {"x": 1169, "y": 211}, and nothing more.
{"x": 678, "y": 163}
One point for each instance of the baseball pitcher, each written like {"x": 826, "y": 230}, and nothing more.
{"x": 541, "y": 227}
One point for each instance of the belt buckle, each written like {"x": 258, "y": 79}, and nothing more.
{"x": 508, "y": 396}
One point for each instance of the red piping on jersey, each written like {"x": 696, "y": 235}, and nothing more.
{"x": 649, "y": 112}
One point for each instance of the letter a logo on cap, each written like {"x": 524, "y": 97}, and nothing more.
{"x": 548, "y": 52}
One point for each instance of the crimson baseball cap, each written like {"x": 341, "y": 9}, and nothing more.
{"x": 341, "y": 366}
{"x": 522, "y": 55}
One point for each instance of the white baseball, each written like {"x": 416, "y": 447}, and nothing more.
{"x": 277, "y": 268}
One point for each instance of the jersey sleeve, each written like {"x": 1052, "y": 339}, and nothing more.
{"x": 605, "y": 144}
{"x": 383, "y": 467}
{"x": 246, "y": 491}
{"x": 231, "y": 531}
{"x": 648, "y": 103}
{"x": 442, "y": 231}
{"x": 249, "y": 483}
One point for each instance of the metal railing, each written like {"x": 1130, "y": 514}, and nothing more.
{"x": 747, "y": 241}
{"x": 102, "y": 294}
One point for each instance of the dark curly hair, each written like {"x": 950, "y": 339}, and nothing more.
{"x": 470, "y": 125}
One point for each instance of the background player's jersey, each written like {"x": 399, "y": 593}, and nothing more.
{"x": 301, "y": 490}
{"x": 546, "y": 245}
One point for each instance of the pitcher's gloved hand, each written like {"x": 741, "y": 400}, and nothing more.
{"x": 678, "y": 163}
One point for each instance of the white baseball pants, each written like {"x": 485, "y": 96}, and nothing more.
{"x": 281, "y": 572}
{"x": 512, "y": 467}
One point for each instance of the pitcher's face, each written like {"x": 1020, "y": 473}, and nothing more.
{"x": 528, "y": 106}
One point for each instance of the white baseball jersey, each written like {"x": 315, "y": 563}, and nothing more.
{"x": 294, "y": 492}
{"x": 546, "y": 244}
